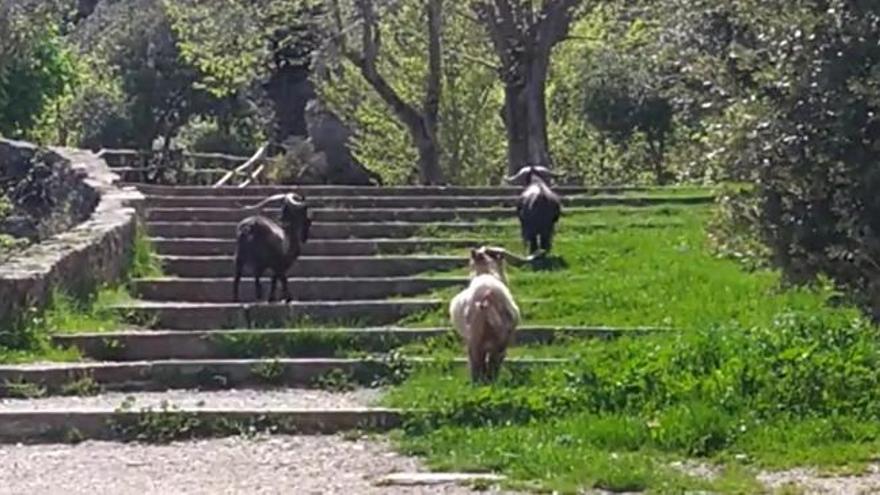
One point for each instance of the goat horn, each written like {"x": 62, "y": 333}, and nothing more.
{"x": 513, "y": 258}
{"x": 268, "y": 200}
{"x": 517, "y": 176}
{"x": 546, "y": 171}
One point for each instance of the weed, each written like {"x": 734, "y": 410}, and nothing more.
{"x": 110, "y": 349}
{"x": 269, "y": 372}
{"x": 21, "y": 389}
{"x": 83, "y": 387}
{"x": 163, "y": 426}
{"x": 335, "y": 380}
{"x": 145, "y": 262}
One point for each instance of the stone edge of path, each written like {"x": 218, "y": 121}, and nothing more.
{"x": 103, "y": 424}
{"x": 92, "y": 253}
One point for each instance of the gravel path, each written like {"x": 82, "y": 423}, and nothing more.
{"x": 225, "y": 399}
{"x": 810, "y": 482}
{"x": 271, "y": 465}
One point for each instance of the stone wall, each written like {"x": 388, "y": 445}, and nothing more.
{"x": 46, "y": 195}
{"x": 76, "y": 261}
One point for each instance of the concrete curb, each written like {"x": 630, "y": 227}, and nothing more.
{"x": 58, "y": 426}
{"x": 52, "y": 379}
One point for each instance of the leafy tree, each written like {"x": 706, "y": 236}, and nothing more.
{"x": 35, "y": 66}
{"x": 471, "y": 142}
{"x": 256, "y": 49}
{"x": 524, "y": 36}
{"x": 420, "y": 120}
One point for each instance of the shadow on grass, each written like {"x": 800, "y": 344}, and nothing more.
{"x": 550, "y": 263}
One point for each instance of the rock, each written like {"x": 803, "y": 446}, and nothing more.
{"x": 431, "y": 479}
{"x": 47, "y": 195}
{"x": 330, "y": 136}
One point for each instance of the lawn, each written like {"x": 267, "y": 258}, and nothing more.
{"x": 753, "y": 377}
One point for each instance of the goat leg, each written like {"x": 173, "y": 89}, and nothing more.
{"x": 533, "y": 244}
{"x": 547, "y": 240}
{"x": 496, "y": 357}
{"x": 284, "y": 287}
{"x": 239, "y": 266}
{"x": 272, "y": 287}
{"x": 258, "y": 286}
{"x": 477, "y": 362}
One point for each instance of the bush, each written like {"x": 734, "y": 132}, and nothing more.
{"x": 31, "y": 79}
{"x": 816, "y": 154}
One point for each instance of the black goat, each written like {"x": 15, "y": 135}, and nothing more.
{"x": 538, "y": 207}
{"x": 264, "y": 244}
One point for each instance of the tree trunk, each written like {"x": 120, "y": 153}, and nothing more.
{"x": 536, "y": 116}
{"x": 523, "y": 38}
{"x": 525, "y": 119}
{"x": 430, "y": 173}
{"x": 514, "y": 114}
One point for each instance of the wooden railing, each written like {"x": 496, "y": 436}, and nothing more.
{"x": 251, "y": 169}
{"x": 189, "y": 168}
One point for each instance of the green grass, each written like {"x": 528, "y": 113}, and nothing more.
{"x": 640, "y": 277}
{"x": 755, "y": 377}
{"x": 145, "y": 262}
{"x": 29, "y": 339}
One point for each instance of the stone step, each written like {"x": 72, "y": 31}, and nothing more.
{"x": 293, "y": 343}
{"x": 212, "y": 316}
{"x": 338, "y": 215}
{"x": 219, "y": 290}
{"x": 369, "y": 231}
{"x": 56, "y": 426}
{"x": 322, "y": 191}
{"x": 422, "y": 201}
{"x": 226, "y": 230}
{"x": 216, "y": 374}
{"x": 315, "y": 247}
{"x": 318, "y": 266}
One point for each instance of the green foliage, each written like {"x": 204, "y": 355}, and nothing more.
{"x": 233, "y": 43}
{"x": 24, "y": 390}
{"x": 755, "y": 374}
{"x": 83, "y": 387}
{"x": 335, "y": 380}
{"x": 270, "y": 372}
{"x": 32, "y": 78}
{"x": 471, "y": 134}
{"x": 145, "y": 262}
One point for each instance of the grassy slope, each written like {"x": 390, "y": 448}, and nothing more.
{"x": 758, "y": 377}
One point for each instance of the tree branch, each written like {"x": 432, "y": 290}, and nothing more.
{"x": 367, "y": 65}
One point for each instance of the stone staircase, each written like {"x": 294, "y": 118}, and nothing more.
{"x": 361, "y": 273}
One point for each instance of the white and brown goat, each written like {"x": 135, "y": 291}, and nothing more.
{"x": 485, "y": 314}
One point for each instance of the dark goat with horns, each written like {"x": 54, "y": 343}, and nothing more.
{"x": 538, "y": 207}
{"x": 264, "y": 244}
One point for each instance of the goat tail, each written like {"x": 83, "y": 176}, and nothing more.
{"x": 494, "y": 310}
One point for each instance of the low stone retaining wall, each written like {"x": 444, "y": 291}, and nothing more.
{"x": 94, "y": 252}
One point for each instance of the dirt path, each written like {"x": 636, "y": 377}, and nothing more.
{"x": 272, "y": 465}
